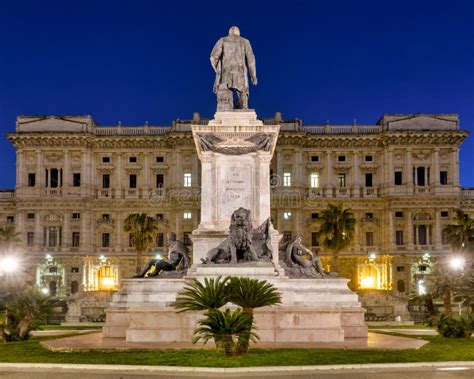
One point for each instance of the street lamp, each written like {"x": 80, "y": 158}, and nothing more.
{"x": 9, "y": 265}
{"x": 457, "y": 263}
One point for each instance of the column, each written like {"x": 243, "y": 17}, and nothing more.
{"x": 355, "y": 174}
{"x": 38, "y": 230}
{"x": 391, "y": 231}
{"x": 279, "y": 172}
{"x": 437, "y": 237}
{"x": 20, "y": 164}
{"x": 390, "y": 174}
{"x": 146, "y": 187}
{"x": 66, "y": 172}
{"x": 434, "y": 179}
{"x": 119, "y": 177}
{"x": 66, "y": 237}
{"x": 119, "y": 232}
{"x": 263, "y": 166}
{"x": 356, "y": 234}
{"x": 39, "y": 169}
{"x": 298, "y": 169}
{"x": 455, "y": 167}
{"x": 409, "y": 172}
{"x": 409, "y": 231}
{"x": 329, "y": 173}
{"x": 178, "y": 179}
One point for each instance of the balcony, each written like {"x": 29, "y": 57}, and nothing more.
{"x": 7, "y": 195}
{"x": 53, "y": 192}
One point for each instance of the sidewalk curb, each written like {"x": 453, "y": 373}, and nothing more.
{"x": 231, "y": 370}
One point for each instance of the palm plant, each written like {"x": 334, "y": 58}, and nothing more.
{"x": 250, "y": 294}
{"x": 460, "y": 234}
{"x": 224, "y": 327}
{"x": 142, "y": 229}
{"x": 197, "y": 296}
{"x": 23, "y": 312}
{"x": 337, "y": 229}
{"x": 8, "y": 235}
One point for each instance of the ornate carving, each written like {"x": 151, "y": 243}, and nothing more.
{"x": 236, "y": 146}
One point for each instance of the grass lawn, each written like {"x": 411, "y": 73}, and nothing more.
{"x": 439, "y": 349}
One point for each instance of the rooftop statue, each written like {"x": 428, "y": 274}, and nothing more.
{"x": 232, "y": 59}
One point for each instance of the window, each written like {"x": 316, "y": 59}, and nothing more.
{"x": 106, "y": 216}
{"x": 314, "y": 158}
{"x": 105, "y": 239}
{"x": 75, "y": 270}
{"x": 76, "y": 179}
{"x": 76, "y": 239}
{"x": 287, "y": 179}
{"x": 10, "y": 218}
{"x": 160, "y": 216}
{"x": 160, "y": 179}
{"x": 398, "y": 214}
{"x": 444, "y": 214}
{"x": 187, "y": 215}
{"x": 314, "y": 216}
{"x": 105, "y": 159}
{"x": 31, "y": 180}
{"x": 369, "y": 158}
{"x": 369, "y": 216}
{"x": 132, "y": 159}
{"x": 54, "y": 178}
{"x": 399, "y": 237}
{"x": 106, "y": 181}
{"x": 186, "y": 239}
{"x": 422, "y": 235}
{"x": 286, "y": 236}
{"x": 160, "y": 240}
{"x": 53, "y": 236}
{"x": 314, "y": 239}
{"x": 187, "y": 180}
{"x": 400, "y": 268}
{"x": 30, "y": 238}
{"x": 160, "y": 159}
{"x": 76, "y": 216}
{"x": 30, "y": 216}
{"x": 420, "y": 176}
{"x": 341, "y": 158}
{"x": 368, "y": 179}
{"x": 369, "y": 238}
{"x": 74, "y": 286}
{"x": 398, "y": 178}
{"x": 314, "y": 180}
{"x": 443, "y": 178}
{"x": 286, "y": 215}
{"x": 341, "y": 180}
{"x": 132, "y": 181}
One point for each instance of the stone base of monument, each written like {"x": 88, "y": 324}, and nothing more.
{"x": 313, "y": 310}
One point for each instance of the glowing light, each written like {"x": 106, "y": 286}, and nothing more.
{"x": 108, "y": 282}
{"x": 421, "y": 288}
{"x": 457, "y": 263}
{"x": 372, "y": 255}
{"x": 426, "y": 255}
{"x": 158, "y": 256}
{"x": 49, "y": 257}
{"x": 367, "y": 282}
{"x": 103, "y": 258}
{"x": 9, "y": 264}
{"x": 45, "y": 290}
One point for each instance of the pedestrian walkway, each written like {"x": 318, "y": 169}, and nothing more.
{"x": 94, "y": 341}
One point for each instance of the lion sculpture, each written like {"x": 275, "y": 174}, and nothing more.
{"x": 238, "y": 246}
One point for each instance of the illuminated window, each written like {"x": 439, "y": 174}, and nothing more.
{"x": 287, "y": 179}
{"x": 106, "y": 278}
{"x": 314, "y": 180}
{"x": 187, "y": 215}
{"x": 286, "y": 215}
{"x": 376, "y": 274}
{"x": 187, "y": 179}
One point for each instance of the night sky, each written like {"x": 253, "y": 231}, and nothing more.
{"x": 137, "y": 61}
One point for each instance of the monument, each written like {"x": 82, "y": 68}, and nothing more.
{"x": 235, "y": 149}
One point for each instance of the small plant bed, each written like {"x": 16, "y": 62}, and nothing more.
{"x": 439, "y": 349}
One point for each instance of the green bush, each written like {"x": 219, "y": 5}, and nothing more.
{"x": 452, "y": 326}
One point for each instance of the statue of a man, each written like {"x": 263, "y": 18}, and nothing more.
{"x": 178, "y": 255}
{"x": 231, "y": 57}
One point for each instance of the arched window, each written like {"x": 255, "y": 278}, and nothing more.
{"x": 74, "y": 286}
{"x": 52, "y": 288}
{"x": 401, "y": 285}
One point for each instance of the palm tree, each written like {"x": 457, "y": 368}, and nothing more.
{"x": 8, "y": 235}
{"x": 250, "y": 294}
{"x": 142, "y": 229}
{"x": 197, "y": 296}
{"x": 337, "y": 229}
{"x": 223, "y": 327}
{"x": 28, "y": 308}
{"x": 460, "y": 233}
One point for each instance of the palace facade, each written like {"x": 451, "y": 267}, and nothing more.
{"x": 76, "y": 182}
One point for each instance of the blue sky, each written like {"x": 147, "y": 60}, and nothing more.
{"x": 138, "y": 61}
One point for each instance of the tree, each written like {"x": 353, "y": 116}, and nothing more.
{"x": 8, "y": 236}
{"x": 337, "y": 229}
{"x": 250, "y": 294}
{"x": 223, "y": 327}
{"x": 197, "y": 296}
{"x": 22, "y": 313}
{"x": 460, "y": 233}
{"x": 142, "y": 229}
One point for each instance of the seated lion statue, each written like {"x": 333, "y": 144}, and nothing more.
{"x": 238, "y": 246}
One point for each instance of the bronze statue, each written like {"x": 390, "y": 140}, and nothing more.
{"x": 232, "y": 59}
{"x": 239, "y": 244}
{"x": 178, "y": 259}
{"x": 300, "y": 257}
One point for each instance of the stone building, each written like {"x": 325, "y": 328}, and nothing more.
{"x": 77, "y": 181}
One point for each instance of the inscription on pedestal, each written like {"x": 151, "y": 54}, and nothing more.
{"x": 235, "y": 190}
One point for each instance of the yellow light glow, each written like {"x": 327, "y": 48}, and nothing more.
{"x": 108, "y": 282}
{"x": 367, "y": 282}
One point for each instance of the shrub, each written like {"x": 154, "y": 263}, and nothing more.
{"x": 452, "y": 326}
